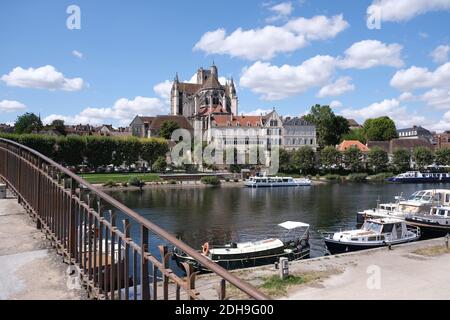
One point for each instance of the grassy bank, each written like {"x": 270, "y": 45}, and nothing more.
{"x": 102, "y": 178}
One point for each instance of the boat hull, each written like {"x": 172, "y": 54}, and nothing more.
{"x": 275, "y": 185}
{"x": 336, "y": 247}
{"x": 429, "y": 229}
{"x": 419, "y": 180}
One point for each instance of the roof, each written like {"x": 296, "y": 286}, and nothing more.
{"x": 347, "y": 144}
{"x": 396, "y": 144}
{"x": 211, "y": 82}
{"x": 419, "y": 129}
{"x": 384, "y": 145}
{"x": 353, "y": 123}
{"x": 189, "y": 88}
{"x": 296, "y": 122}
{"x": 290, "y": 225}
{"x": 180, "y": 120}
{"x": 237, "y": 121}
{"x": 215, "y": 109}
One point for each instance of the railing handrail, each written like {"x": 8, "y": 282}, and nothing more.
{"x": 235, "y": 281}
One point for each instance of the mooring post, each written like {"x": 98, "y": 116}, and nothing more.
{"x": 446, "y": 240}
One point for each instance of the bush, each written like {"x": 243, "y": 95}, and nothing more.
{"x": 124, "y": 184}
{"x": 110, "y": 184}
{"x": 357, "y": 177}
{"x": 213, "y": 181}
{"x": 381, "y": 176}
{"x": 227, "y": 179}
{"x": 172, "y": 182}
{"x": 333, "y": 177}
{"x": 136, "y": 182}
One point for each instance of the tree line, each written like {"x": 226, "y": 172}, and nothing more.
{"x": 94, "y": 151}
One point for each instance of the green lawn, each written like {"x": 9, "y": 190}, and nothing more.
{"x": 101, "y": 178}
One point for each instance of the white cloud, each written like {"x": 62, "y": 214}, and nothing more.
{"x": 265, "y": 43}
{"x": 406, "y": 96}
{"x": 370, "y": 53}
{"x": 440, "y": 54}
{"x": 416, "y": 78}
{"x": 11, "y": 106}
{"x": 193, "y": 79}
{"x": 258, "y": 112}
{"x": 337, "y": 88}
{"x": 388, "y": 107}
{"x": 77, "y": 54}
{"x": 281, "y": 11}
{"x": 437, "y": 98}
{"x": 336, "y": 104}
{"x": 123, "y": 111}
{"x": 275, "y": 83}
{"x": 46, "y": 77}
{"x": 403, "y": 10}
{"x": 164, "y": 89}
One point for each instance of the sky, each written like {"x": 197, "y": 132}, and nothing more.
{"x": 116, "y": 59}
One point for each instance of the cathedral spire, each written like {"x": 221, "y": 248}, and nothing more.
{"x": 176, "y": 78}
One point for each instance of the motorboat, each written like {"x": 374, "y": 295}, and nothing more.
{"x": 374, "y": 233}
{"x": 270, "y": 182}
{"x": 434, "y": 224}
{"x": 419, "y": 202}
{"x": 294, "y": 245}
{"x": 421, "y": 177}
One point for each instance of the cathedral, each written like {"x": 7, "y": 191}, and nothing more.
{"x": 207, "y": 97}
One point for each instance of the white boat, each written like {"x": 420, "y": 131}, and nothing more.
{"x": 270, "y": 182}
{"x": 373, "y": 234}
{"x": 434, "y": 224}
{"x": 419, "y": 202}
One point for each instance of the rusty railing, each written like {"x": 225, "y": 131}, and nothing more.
{"x": 81, "y": 222}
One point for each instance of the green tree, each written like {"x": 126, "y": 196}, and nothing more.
{"x": 356, "y": 134}
{"x": 128, "y": 151}
{"x": 28, "y": 123}
{"x": 99, "y": 150}
{"x": 377, "y": 159}
{"x": 71, "y": 150}
{"x": 329, "y": 127}
{"x": 285, "y": 160}
{"x": 330, "y": 157}
{"x": 167, "y": 128}
{"x": 352, "y": 159}
{"x": 380, "y": 129}
{"x": 423, "y": 157}
{"x": 59, "y": 126}
{"x": 43, "y": 144}
{"x": 304, "y": 159}
{"x": 160, "y": 165}
{"x": 443, "y": 157}
{"x": 401, "y": 160}
{"x": 152, "y": 149}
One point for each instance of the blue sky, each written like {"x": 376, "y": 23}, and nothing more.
{"x": 284, "y": 54}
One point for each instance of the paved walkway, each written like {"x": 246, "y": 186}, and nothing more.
{"x": 29, "y": 268}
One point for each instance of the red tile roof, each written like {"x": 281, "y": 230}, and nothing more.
{"x": 236, "y": 121}
{"x": 347, "y": 144}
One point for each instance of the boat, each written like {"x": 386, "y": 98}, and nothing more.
{"x": 419, "y": 202}
{"x": 421, "y": 177}
{"x": 294, "y": 245}
{"x": 374, "y": 233}
{"x": 269, "y": 182}
{"x": 434, "y": 224}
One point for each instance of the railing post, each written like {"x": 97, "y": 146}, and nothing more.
{"x": 222, "y": 289}
{"x": 190, "y": 278}
{"x": 126, "y": 267}
{"x": 165, "y": 262}
{"x": 72, "y": 222}
{"x": 145, "y": 289}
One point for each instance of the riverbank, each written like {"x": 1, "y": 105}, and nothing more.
{"x": 415, "y": 270}
{"x": 31, "y": 269}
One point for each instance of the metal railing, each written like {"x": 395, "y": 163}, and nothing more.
{"x": 81, "y": 222}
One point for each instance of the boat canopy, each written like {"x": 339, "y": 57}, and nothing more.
{"x": 291, "y": 225}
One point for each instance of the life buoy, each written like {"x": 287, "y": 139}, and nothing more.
{"x": 205, "y": 248}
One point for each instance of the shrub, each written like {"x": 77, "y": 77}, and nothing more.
{"x": 136, "y": 182}
{"x": 172, "y": 182}
{"x": 357, "y": 177}
{"x": 381, "y": 176}
{"x": 236, "y": 180}
{"x": 110, "y": 184}
{"x": 227, "y": 179}
{"x": 333, "y": 177}
{"x": 213, "y": 181}
{"x": 124, "y": 184}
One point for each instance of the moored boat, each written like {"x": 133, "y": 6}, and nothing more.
{"x": 421, "y": 177}
{"x": 434, "y": 224}
{"x": 269, "y": 182}
{"x": 373, "y": 234}
{"x": 294, "y": 245}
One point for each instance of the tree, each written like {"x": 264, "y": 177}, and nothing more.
{"x": 59, "y": 126}
{"x": 401, "y": 160}
{"x": 28, "y": 123}
{"x": 352, "y": 159}
{"x": 329, "y": 127}
{"x": 160, "y": 165}
{"x": 330, "y": 157}
{"x": 304, "y": 159}
{"x": 380, "y": 129}
{"x": 167, "y": 128}
{"x": 378, "y": 159}
{"x": 356, "y": 134}
{"x": 443, "y": 157}
{"x": 128, "y": 151}
{"x": 423, "y": 157}
{"x": 100, "y": 150}
{"x": 285, "y": 161}
{"x": 152, "y": 149}
{"x": 71, "y": 150}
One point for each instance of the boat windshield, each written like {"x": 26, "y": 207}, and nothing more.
{"x": 372, "y": 226}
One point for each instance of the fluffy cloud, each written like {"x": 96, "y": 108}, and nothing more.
{"x": 275, "y": 83}
{"x": 336, "y": 104}
{"x": 77, "y": 54}
{"x": 123, "y": 111}
{"x": 337, "y": 88}
{"x": 258, "y": 112}
{"x": 437, "y": 98}
{"x": 416, "y": 78}
{"x": 164, "y": 89}
{"x": 11, "y": 106}
{"x": 403, "y": 10}
{"x": 388, "y": 107}
{"x": 265, "y": 43}
{"x": 370, "y": 53}
{"x": 46, "y": 77}
{"x": 440, "y": 54}
{"x": 281, "y": 11}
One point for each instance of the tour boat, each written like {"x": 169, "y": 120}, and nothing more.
{"x": 373, "y": 234}
{"x": 436, "y": 223}
{"x": 421, "y": 177}
{"x": 419, "y": 202}
{"x": 294, "y": 245}
{"x": 268, "y": 182}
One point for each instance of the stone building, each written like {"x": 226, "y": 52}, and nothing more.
{"x": 298, "y": 133}
{"x": 147, "y": 127}
{"x": 415, "y": 132}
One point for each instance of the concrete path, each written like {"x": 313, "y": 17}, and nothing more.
{"x": 29, "y": 268}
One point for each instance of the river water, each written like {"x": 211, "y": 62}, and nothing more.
{"x": 233, "y": 214}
